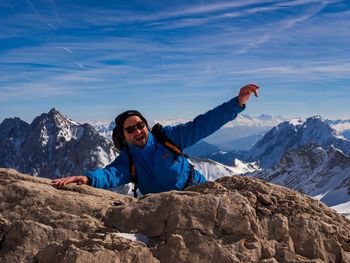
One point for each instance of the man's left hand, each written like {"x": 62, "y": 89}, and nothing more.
{"x": 245, "y": 92}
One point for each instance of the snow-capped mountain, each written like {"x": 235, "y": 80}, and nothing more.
{"x": 341, "y": 126}
{"x": 310, "y": 169}
{"x": 52, "y": 146}
{"x": 293, "y": 134}
{"x": 213, "y": 170}
{"x": 105, "y": 128}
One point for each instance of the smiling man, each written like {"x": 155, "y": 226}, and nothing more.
{"x": 135, "y": 127}
{"x": 153, "y": 160}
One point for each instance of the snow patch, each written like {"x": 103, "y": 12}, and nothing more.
{"x": 343, "y": 209}
{"x": 213, "y": 170}
{"x": 135, "y": 237}
{"x": 103, "y": 156}
{"x": 44, "y": 138}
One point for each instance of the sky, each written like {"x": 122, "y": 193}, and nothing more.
{"x": 173, "y": 59}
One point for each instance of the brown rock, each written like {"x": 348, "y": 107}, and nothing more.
{"x": 235, "y": 219}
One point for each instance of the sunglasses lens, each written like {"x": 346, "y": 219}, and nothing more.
{"x": 132, "y": 129}
{"x": 141, "y": 125}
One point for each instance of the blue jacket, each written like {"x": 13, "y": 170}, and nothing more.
{"x": 157, "y": 171}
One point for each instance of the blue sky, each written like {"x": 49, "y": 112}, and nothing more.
{"x": 94, "y": 59}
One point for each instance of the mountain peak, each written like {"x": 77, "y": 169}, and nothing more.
{"x": 53, "y": 111}
{"x": 10, "y": 122}
{"x": 315, "y": 118}
{"x": 52, "y": 145}
{"x": 293, "y": 134}
{"x": 10, "y": 128}
{"x": 54, "y": 118}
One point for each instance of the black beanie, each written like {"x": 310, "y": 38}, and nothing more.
{"x": 118, "y": 135}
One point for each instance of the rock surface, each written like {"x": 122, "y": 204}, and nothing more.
{"x": 235, "y": 219}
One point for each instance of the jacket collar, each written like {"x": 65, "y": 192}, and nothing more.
{"x": 135, "y": 148}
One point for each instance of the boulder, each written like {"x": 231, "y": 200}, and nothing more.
{"x": 235, "y": 219}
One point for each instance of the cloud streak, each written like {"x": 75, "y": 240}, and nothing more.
{"x": 103, "y": 51}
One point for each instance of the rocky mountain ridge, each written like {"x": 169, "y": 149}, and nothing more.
{"x": 293, "y": 134}
{"x": 310, "y": 169}
{"x": 52, "y": 145}
{"x": 235, "y": 219}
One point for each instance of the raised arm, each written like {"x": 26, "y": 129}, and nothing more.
{"x": 185, "y": 135}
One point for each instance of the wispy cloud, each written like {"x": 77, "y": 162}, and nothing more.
{"x": 341, "y": 68}
{"x": 66, "y": 49}
{"x": 26, "y": 91}
{"x": 62, "y": 49}
{"x": 185, "y": 16}
{"x": 202, "y": 9}
{"x": 284, "y": 25}
{"x": 80, "y": 65}
{"x": 30, "y": 4}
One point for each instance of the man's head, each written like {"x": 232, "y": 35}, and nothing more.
{"x": 131, "y": 128}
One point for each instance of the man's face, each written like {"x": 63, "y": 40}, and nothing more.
{"x": 133, "y": 133}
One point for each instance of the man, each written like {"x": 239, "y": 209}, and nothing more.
{"x": 156, "y": 168}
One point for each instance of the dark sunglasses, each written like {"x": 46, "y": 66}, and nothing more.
{"x": 133, "y": 128}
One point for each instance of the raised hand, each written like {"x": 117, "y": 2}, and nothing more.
{"x": 245, "y": 92}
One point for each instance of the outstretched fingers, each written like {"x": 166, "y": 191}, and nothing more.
{"x": 252, "y": 88}
{"x": 245, "y": 92}
{"x": 64, "y": 181}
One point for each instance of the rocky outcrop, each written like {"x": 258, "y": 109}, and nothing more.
{"x": 235, "y": 219}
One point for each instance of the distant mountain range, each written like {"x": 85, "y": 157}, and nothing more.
{"x": 315, "y": 171}
{"x": 64, "y": 135}
{"x": 52, "y": 146}
{"x": 289, "y": 135}
{"x": 293, "y": 134}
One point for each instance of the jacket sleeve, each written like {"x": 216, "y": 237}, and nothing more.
{"x": 187, "y": 134}
{"x": 113, "y": 175}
